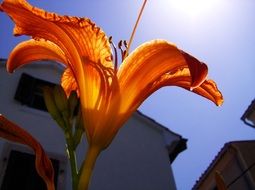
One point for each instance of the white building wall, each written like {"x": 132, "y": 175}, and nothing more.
{"x": 136, "y": 160}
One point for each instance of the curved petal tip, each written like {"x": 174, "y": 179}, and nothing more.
{"x": 198, "y": 70}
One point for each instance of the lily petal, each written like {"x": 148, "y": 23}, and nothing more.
{"x": 101, "y": 86}
{"x": 147, "y": 64}
{"x": 34, "y": 50}
{"x": 209, "y": 90}
{"x": 182, "y": 78}
{"x": 77, "y": 37}
{"x": 12, "y": 132}
{"x": 68, "y": 82}
{"x": 198, "y": 70}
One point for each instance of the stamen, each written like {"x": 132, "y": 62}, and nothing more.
{"x": 115, "y": 54}
{"x": 122, "y": 51}
{"x": 133, "y": 32}
{"x": 120, "y": 44}
{"x": 125, "y": 53}
{"x": 125, "y": 44}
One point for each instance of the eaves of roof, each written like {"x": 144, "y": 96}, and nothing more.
{"x": 216, "y": 159}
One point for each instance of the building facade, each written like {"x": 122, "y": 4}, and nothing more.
{"x": 236, "y": 165}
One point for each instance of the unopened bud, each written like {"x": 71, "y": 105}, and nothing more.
{"x": 61, "y": 101}
{"x": 73, "y": 102}
{"x": 51, "y": 106}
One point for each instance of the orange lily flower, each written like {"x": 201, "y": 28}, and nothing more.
{"x": 109, "y": 95}
{"x": 12, "y": 132}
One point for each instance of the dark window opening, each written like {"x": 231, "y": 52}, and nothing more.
{"x": 30, "y": 91}
{"x": 21, "y": 173}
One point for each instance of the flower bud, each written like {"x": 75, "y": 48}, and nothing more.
{"x": 61, "y": 101}
{"x": 51, "y": 106}
{"x": 73, "y": 102}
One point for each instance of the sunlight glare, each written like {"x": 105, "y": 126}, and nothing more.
{"x": 194, "y": 8}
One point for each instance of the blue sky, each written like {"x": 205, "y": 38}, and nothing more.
{"x": 220, "y": 33}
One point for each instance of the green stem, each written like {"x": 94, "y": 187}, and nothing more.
{"x": 73, "y": 162}
{"x": 87, "y": 167}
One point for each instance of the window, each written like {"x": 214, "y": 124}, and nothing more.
{"x": 30, "y": 91}
{"x": 18, "y": 171}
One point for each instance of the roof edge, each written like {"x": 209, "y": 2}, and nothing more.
{"x": 216, "y": 159}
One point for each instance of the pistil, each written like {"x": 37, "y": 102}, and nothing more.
{"x": 135, "y": 27}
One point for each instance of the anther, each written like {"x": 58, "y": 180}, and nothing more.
{"x": 125, "y": 53}
{"x": 110, "y": 39}
{"x": 120, "y": 44}
{"x": 125, "y": 44}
